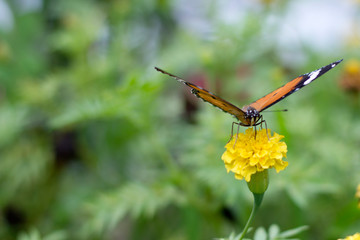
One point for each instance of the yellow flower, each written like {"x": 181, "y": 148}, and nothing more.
{"x": 357, "y": 195}
{"x": 245, "y": 155}
{"x": 352, "y": 66}
{"x": 356, "y": 236}
{"x": 350, "y": 78}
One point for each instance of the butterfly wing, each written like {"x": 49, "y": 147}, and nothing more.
{"x": 211, "y": 98}
{"x": 290, "y": 87}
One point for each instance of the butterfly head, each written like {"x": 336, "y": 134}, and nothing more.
{"x": 252, "y": 116}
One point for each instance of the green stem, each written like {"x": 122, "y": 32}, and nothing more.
{"x": 257, "y": 201}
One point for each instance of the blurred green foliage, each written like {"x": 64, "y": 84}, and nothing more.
{"x": 95, "y": 144}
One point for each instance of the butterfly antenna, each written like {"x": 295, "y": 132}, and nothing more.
{"x": 280, "y": 110}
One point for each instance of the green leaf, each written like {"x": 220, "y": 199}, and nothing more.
{"x": 293, "y": 232}
{"x": 13, "y": 119}
{"x": 260, "y": 234}
{"x": 132, "y": 199}
{"x": 34, "y": 234}
{"x": 274, "y": 230}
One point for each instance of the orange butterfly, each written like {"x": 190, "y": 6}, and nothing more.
{"x": 249, "y": 115}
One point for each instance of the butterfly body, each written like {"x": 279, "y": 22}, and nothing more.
{"x": 249, "y": 115}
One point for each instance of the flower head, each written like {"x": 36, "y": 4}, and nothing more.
{"x": 357, "y": 195}
{"x": 356, "y": 236}
{"x": 350, "y": 79}
{"x": 246, "y": 155}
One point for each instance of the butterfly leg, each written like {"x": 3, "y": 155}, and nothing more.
{"x": 261, "y": 122}
{"x": 237, "y": 133}
{"x": 232, "y": 130}
{"x": 255, "y": 130}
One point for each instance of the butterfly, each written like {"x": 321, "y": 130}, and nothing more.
{"x": 249, "y": 115}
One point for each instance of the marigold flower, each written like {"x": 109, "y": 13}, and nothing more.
{"x": 350, "y": 79}
{"x": 357, "y": 195}
{"x": 246, "y": 155}
{"x": 356, "y": 236}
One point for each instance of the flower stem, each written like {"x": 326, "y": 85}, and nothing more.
{"x": 257, "y": 201}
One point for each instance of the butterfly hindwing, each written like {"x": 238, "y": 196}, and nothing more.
{"x": 290, "y": 87}
{"x": 210, "y": 98}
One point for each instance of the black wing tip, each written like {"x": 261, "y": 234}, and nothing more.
{"x": 164, "y": 72}
{"x": 173, "y": 76}
{"x": 336, "y": 62}
{"x": 324, "y": 69}
{"x": 158, "y": 69}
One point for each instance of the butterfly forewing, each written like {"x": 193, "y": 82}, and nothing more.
{"x": 211, "y": 98}
{"x": 249, "y": 115}
{"x": 217, "y": 102}
{"x": 290, "y": 87}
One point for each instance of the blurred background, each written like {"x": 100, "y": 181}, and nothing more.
{"x": 96, "y": 144}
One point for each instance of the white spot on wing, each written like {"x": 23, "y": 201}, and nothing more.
{"x": 333, "y": 65}
{"x": 312, "y": 76}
